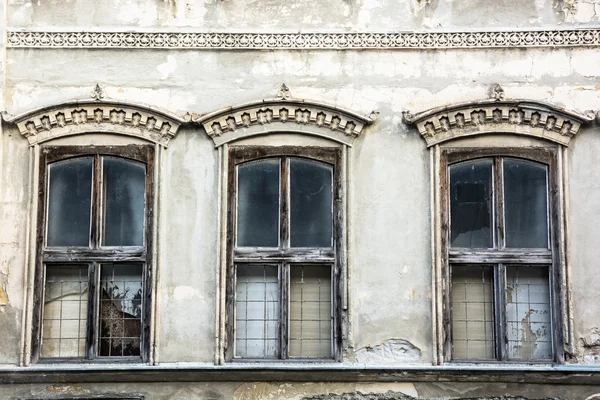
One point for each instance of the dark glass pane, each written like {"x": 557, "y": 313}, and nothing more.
{"x": 311, "y": 203}
{"x": 528, "y": 313}
{"x": 121, "y": 296}
{"x": 525, "y": 204}
{"x": 69, "y": 202}
{"x": 124, "y": 189}
{"x": 471, "y": 204}
{"x": 258, "y": 204}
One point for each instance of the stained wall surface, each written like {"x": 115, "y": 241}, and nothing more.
{"x": 390, "y": 261}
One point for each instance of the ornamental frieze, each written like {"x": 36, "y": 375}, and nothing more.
{"x": 94, "y": 116}
{"x": 522, "y": 117}
{"x": 304, "y": 40}
{"x": 282, "y": 115}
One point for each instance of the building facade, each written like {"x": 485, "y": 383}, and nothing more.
{"x": 357, "y": 199}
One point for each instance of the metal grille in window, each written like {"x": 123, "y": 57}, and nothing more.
{"x": 65, "y": 311}
{"x": 472, "y": 312}
{"x": 310, "y": 311}
{"x": 257, "y": 311}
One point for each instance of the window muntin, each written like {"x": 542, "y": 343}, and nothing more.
{"x": 500, "y": 292}
{"x": 94, "y": 296}
{"x": 282, "y": 297}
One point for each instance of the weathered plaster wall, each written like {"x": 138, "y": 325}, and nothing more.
{"x": 189, "y": 269}
{"x": 302, "y": 391}
{"x": 338, "y": 14}
{"x": 585, "y": 203}
{"x": 14, "y": 199}
{"x": 390, "y": 288}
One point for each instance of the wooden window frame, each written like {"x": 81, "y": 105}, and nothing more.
{"x": 501, "y": 257}
{"x": 95, "y": 254}
{"x": 284, "y": 256}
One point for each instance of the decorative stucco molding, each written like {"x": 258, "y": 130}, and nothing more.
{"x": 307, "y": 40}
{"x": 282, "y": 114}
{"x": 94, "y": 116}
{"x": 522, "y": 117}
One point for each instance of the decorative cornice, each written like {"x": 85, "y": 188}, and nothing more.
{"x": 282, "y": 115}
{"x": 89, "y": 116}
{"x": 307, "y": 40}
{"x": 522, "y": 117}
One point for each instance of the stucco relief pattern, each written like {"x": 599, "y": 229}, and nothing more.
{"x": 520, "y": 117}
{"x": 85, "y": 117}
{"x": 314, "y": 40}
{"x": 282, "y": 115}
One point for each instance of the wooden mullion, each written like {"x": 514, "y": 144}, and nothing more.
{"x": 97, "y": 193}
{"x": 284, "y": 204}
{"x": 284, "y": 298}
{"x": 446, "y": 265}
{"x": 498, "y": 206}
{"x": 338, "y": 266}
{"x": 499, "y": 285}
{"x": 92, "y": 311}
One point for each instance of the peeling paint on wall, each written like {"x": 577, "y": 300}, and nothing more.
{"x": 390, "y": 351}
{"x": 298, "y": 391}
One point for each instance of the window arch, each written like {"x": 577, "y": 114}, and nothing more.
{"x": 481, "y": 154}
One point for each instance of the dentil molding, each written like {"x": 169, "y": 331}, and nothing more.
{"x": 17, "y": 38}
{"x": 97, "y": 116}
{"x": 282, "y": 114}
{"x": 497, "y": 115}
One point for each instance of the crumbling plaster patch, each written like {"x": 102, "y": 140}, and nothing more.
{"x": 578, "y": 11}
{"x": 297, "y": 391}
{"x": 389, "y": 352}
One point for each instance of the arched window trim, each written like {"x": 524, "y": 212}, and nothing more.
{"x": 282, "y": 115}
{"x": 92, "y": 116}
{"x": 521, "y": 117}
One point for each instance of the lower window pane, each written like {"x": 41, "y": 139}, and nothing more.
{"x": 528, "y": 313}
{"x": 257, "y": 311}
{"x": 310, "y": 311}
{"x": 472, "y": 312}
{"x": 121, "y": 296}
{"x": 64, "y": 323}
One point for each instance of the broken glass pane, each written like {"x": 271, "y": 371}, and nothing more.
{"x": 69, "y": 202}
{"x": 121, "y": 296}
{"x": 64, "y": 322}
{"x": 311, "y": 203}
{"x": 528, "y": 313}
{"x": 471, "y": 204}
{"x": 258, "y": 204}
{"x": 525, "y": 204}
{"x": 124, "y": 190}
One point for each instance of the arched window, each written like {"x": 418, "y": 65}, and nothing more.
{"x": 283, "y": 241}
{"x": 93, "y": 253}
{"x": 500, "y": 258}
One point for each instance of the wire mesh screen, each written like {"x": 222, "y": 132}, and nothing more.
{"x": 257, "y": 311}
{"x": 121, "y": 296}
{"x": 528, "y": 313}
{"x": 65, "y": 311}
{"x": 472, "y": 312}
{"x": 310, "y": 311}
